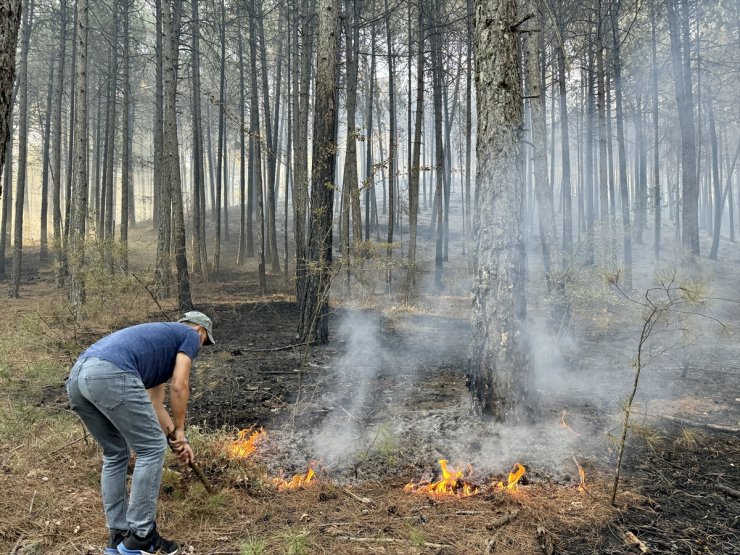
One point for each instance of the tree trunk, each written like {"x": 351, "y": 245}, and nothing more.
{"x": 10, "y": 20}
{"x": 716, "y": 185}
{"x": 256, "y": 155}
{"x": 20, "y": 193}
{"x": 79, "y": 214}
{"x": 200, "y": 255}
{"x": 656, "y": 139}
{"x": 171, "y": 31}
{"x": 157, "y": 136}
{"x": 220, "y": 158}
{"x": 44, "y": 235}
{"x": 392, "y": 140}
{"x": 684, "y": 99}
{"x": 565, "y": 154}
{"x": 369, "y": 184}
{"x": 588, "y": 155}
{"x": 56, "y": 148}
{"x": 314, "y": 324}
{"x": 126, "y": 183}
{"x": 500, "y": 378}
{"x": 242, "y": 252}
{"x": 163, "y": 270}
{"x": 543, "y": 193}
{"x": 416, "y": 157}
{"x": 439, "y": 149}
{"x": 622, "y": 155}
{"x": 271, "y": 228}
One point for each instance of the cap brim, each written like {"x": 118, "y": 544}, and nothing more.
{"x": 210, "y": 340}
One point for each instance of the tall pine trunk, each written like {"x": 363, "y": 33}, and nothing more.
{"x": 501, "y": 378}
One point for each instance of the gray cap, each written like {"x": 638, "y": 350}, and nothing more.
{"x": 195, "y": 317}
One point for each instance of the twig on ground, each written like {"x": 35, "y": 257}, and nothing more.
{"x": 502, "y": 520}
{"x": 33, "y": 498}
{"x": 55, "y": 451}
{"x": 393, "y": 540}
{"x": 718, "y": 427}
{"x": 237, "y": 352}
{"x": 729, "y": 491}
{"x": 468, "y": 512}
{"x": 632, "y": 540}
{"x": 363, "y": 500}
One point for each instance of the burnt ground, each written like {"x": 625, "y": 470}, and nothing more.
{"x": 387, "y": 398}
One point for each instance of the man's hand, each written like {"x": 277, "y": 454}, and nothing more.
{"x": 180, "y": 446}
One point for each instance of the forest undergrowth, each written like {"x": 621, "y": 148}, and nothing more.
{"x": 378, "y": 407}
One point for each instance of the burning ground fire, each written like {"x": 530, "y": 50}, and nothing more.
{"x": 452, "y": 483}
{"x": 246, "y": 444}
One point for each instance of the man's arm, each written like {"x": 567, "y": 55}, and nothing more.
{"x": 180, "y": 390}
{"x": 156, "y": 394}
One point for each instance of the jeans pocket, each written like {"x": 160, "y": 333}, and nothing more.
{"x": 107, "y": 392}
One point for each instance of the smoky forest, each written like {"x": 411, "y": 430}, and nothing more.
{"x": 472, "y": 266}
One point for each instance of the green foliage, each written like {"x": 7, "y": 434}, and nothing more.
{"x": 253, "y": 547}
{"x": 296, "y": 542}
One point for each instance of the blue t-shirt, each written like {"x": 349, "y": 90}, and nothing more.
{"x": 147, "y": 350}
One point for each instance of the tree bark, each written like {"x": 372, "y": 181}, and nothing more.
{"x": 314, "y": 324}
{"x": 10, "y": 20}
{"x": 126, "y": 183}
{"x": 500, "y": 376}
{"x": 78, "y": 215}
{"x": 20, "y": 193}
{"x": 45, "y": 162}
{"x": 56, "y": 148}
{"x": 200, "y": 255}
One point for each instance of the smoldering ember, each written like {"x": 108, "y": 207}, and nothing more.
{"x": 369, "y": 276}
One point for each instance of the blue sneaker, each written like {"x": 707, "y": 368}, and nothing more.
{"x": 116, "y": 537}
{"x": 151, "y": 544}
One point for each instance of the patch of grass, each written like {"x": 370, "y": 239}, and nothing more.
{"x": 297, "y": 542}
{"x": 253, "y": 546}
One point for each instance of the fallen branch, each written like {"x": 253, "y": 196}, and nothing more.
{"x": 393, "y": 540}
{"x": 55, "y": 451}
{"x": 503, "y": 520}
{"x": 729, "y": 491}
{"x": 363, "y": 500}
{"x": 237, "y": 352}
{"x": 718, "y": 427}
{"x": 632, "y": 540}
{"x": 469, "y": 512}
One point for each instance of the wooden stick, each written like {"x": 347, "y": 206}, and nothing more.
{"x": 194, "y": 467}
{"x": 365, "y": 500}
{"x": 729, "y": 491}
{"x": 502, "y": 520}
{"x": 631, "y": 539}
{"x": 393, "y": 540}
{"x": 718, "y": 427}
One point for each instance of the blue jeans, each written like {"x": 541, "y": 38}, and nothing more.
{"x": 116, "y": 408}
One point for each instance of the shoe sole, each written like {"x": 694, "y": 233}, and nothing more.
{"x": 123, "y": 551}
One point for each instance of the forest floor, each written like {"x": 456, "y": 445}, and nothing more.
{"x": 378, "y": 407}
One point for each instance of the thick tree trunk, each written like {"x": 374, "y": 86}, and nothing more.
{"x": 45, "y": 162}
{"x": 439, "y": 150}
{"x": 500, "y": 378}
{"x": 171, "y": 37}
{"x": 10, "y": 20}
{"x": 314, "y": 324}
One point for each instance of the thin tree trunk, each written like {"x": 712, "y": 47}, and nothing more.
{"x": 392, "y": 139}
{"x": 44, "y": 235}
{"x": 157, "y": 136}
{"x": 656, "y": 139}
{"x": 56, "y": 147}
{"x": 79, "y": 214}
{"x": 20, "y": 193}
{"x": 256, "y": 166}
{"x": 216, "y": 265}
{"x": 439, "y": 157}
{"x": 126, "y": 183}
{"x": 200, "y": 255}
{"x": 565, "y": 154}
{"x": 622, "y": 155}
{"x": 241, "y": 253}
{"x": 416, "y": 157}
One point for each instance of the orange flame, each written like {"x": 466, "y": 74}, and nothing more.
{"x": 244, "y": 446}
{"x": 451, "y": 483}
{"x": 513, "y": 481}
{"x": 296, "y": 482}
{"x": 563, "y": 423}
{"x": 582, "y": 475}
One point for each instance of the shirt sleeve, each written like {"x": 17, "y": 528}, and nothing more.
{"x": 190, "y": 344}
